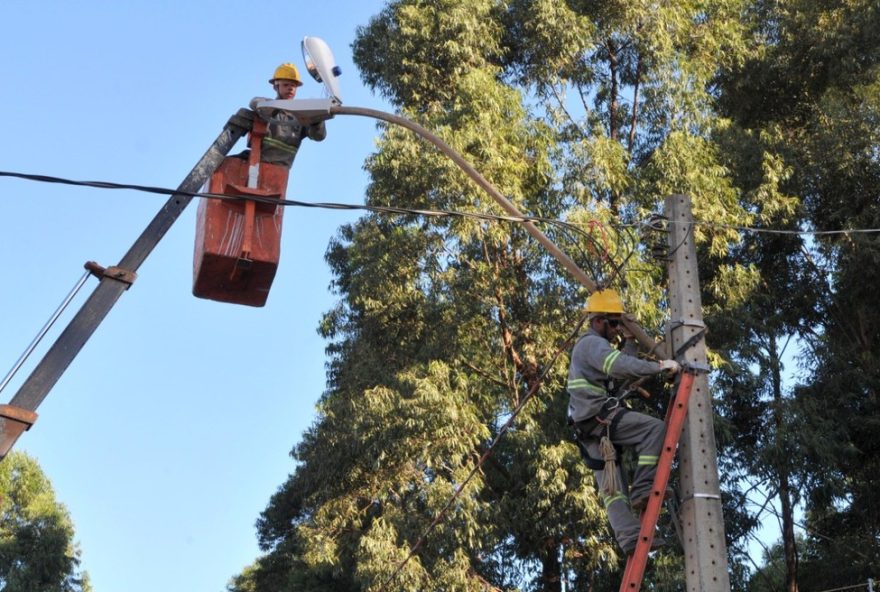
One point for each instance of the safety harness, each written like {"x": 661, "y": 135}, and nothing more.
{"x": 609, "y": 415}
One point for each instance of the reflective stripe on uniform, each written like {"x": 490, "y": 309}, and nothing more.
{"x": 273, "y": 143}
{"x": 577, "y": 383}
{"x": 606, "y": 367}
{"x": 608, "y": 500}
{"x": 646, "y": 460}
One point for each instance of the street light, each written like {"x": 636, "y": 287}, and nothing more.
{"x": 321, "y": 65}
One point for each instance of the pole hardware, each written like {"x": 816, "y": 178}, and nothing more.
{"x": 113, "y": 273}
{"x": 708, "y": 496}
{"x": 694, "y": 340}
{"x": 696, "y": 368}
{"x": 14, "y": 421}
{"x": 656, "y": 239}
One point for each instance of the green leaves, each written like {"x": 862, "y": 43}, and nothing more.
{"x": 414, "y": 52}
{"x": 591, "y": 112}
{"x": 37, "y": 552}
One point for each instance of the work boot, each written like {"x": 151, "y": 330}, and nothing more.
{"x": 657, "y": 543}
{"x": 639, "y": 505}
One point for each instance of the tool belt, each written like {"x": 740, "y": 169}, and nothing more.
{"x": 585, "y": 430}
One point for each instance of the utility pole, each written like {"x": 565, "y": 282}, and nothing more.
{"x": 702, "y": 522}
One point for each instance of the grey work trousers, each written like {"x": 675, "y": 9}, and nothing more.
{"x": 645, "y": 434}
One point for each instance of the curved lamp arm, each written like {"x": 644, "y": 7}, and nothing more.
{"x": 505, "y": 203}
{"x": 641, "y": 335}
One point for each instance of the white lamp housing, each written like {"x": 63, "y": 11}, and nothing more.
{"x": 321, "y": 65}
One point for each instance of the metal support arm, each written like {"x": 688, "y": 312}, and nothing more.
{"x": 83, "y": 325}
{"x": 480, "y": 180}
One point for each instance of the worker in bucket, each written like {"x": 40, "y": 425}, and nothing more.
{"x": 603, "y": 424}
{"x": 285, "y": 131}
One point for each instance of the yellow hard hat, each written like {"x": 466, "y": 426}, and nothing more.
{"x": 605, "y": 301}
{"x": 286, "y": 72}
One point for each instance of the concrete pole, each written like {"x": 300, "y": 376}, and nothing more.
{"x": 705, "y": 550}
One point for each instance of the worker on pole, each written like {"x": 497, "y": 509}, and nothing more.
{"x": 285, "y": 131}
{"x": 602, "y": 360}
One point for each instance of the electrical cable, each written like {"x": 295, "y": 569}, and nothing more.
{"x": 486, "y": 454}
{"x": 772, "y": 510}
{"x": 568, "y": 229}
{"x": 293, "y": 203}
{"x": 779, "y": 231}
{"x": 853, "y": 587}
{"x": 393, "y": 210}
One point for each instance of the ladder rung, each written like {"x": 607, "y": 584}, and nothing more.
{"x": 675, "y": 415}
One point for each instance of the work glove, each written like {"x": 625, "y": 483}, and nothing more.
{"x": 670, "y": 366}
{"x": 254, "y": 101}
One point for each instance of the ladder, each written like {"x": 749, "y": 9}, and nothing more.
{"x": 675, "y": 415}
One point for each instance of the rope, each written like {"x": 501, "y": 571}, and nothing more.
{"x": 36, "y": 341}
{"x": 610, "y": 476}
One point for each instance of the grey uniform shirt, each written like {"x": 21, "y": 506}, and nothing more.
{"x": 593, "y": 362}
{"x": 284, "y": 134}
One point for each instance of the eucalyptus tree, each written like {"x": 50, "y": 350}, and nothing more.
{"x": 810, "y": 96}
{"x": 37, "y": 549}
{"x": 591, "y": 112}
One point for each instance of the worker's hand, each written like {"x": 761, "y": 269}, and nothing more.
{"x": 670, "y": 366}
{"x": 254, "y": 101}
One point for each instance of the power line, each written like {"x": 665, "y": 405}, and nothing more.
{"x": 807, "y": 528}
{"x": 565, "y": 227}
{"x": 290, "y": 202}
{"x": 575, "y": 226}
{"x": 789, "y": 232}
{"x": 853, "y": 587}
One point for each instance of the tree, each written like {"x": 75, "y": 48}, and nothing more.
{"x": 37, "y": 552}
{"x": 811, "y": 96}
{"x": 590, "y": 112}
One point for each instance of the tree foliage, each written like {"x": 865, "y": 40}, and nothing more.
{"x": 810, "y": 97}
{"x": 37, "y": 552}
{"x": 591, "y": 112}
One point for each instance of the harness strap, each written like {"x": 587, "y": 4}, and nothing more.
{"x": 583, "y": 431}
{"x": 615, "y": 420}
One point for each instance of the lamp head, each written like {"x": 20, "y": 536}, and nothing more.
{"x": 321, "y": 65}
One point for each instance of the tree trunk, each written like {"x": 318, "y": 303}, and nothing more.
{"x": 788, "y": 541}
{"x": 613, "y": 102}
{"x": 551, "y": 570}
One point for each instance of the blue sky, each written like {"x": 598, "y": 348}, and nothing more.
{"x": 170, "y": 431}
